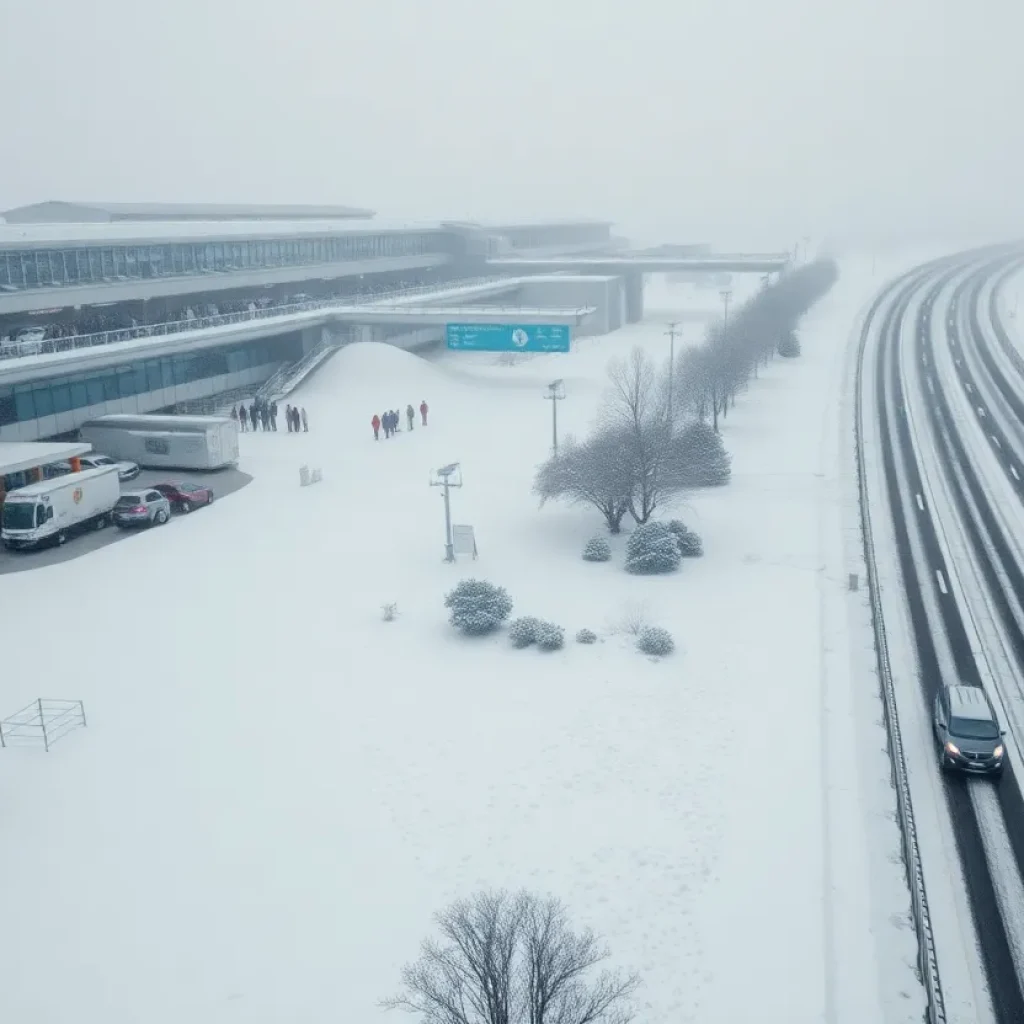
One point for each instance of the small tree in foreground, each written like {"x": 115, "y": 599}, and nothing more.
{"x": 689, "y": 543}
{"x": 656, "y": 641}
{"x": 789, "y": 345}
{"x": 652, "y": 549}
{"x": 597, "y": 549}
{"x": 478, "y": 607}
{"x": 512, "y": 959}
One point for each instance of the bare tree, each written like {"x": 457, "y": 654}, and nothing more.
{"x": 596, "y": 472}
{"x": 636, "y": 413}
{"x": 513, "y": 959}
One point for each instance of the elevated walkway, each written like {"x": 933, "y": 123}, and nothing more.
{"x": 644, "y": 264}
{"x": 96, "y": 351}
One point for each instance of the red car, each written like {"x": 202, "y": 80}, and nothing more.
{"x": 185, "y": 497}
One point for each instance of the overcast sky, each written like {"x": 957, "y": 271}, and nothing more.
{"x": 728, "y": 121}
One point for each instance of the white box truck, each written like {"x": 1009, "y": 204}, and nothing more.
{"x": 51, "y": 510}
{"x": 179, "y": 442}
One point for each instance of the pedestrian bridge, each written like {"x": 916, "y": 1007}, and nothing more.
{"x": 112, "y": 348}
{"x": 740, "y": 263}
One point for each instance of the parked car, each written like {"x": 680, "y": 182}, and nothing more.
{"x": 144, "y": 507}
{"x": 184, "y": 496}
{"x": 968, "y": 733}
{"x": 125, "y": 470}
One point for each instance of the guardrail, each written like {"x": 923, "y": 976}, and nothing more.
{"x": 927, "y": 960}
{"x": 368, "y": 299}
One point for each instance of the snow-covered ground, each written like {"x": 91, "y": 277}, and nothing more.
{"x": 277, "y": 789}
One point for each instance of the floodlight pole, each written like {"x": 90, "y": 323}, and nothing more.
{"x": 555, "y": 395}
{"x": 446, "y": 483}
{"x": 673, "y": 330}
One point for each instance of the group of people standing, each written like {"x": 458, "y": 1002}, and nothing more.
{"x": 389, "y": 421}
{"x": 263, "y": 414}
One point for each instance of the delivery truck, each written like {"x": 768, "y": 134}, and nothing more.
{"x": 50, "y": 511}
{"x": 157, "y": 442}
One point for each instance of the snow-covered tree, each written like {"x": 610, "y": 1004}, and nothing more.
{"x": 550, "y": 637}
{"x": 789, "y": 345}
{"x": 595, "y": 472}
{"x": 586, "y": 636}
{"x": 597, "y": 549}
{"x": 655, "y": 641}
{"x": 652, "y": 549}
{"x": 703, "y": 460}
{"x": 523, "y": 631}
{"x": 688, "y": 542}
{"x": 477, "y": 607}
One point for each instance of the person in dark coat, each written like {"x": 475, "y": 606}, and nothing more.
{"x": 410, "y": 415}
{"x": 243, "y": 418}
{"x": 296, "y": 424}
{"x": 375, "y": 423}
{"x": 288, "y": 417}
{"x": 273, "y": 415}
{"x": 423, "y": 411}
{"x": 254, "y": 415}
{"x": 264, "y": 416}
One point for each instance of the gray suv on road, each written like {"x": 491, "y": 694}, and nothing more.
{"x": 968, "y": 732}
{"x": 143, "y": 507}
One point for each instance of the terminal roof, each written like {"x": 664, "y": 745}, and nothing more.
{"x": 57, "y": 212}
{"x": 16, "y": 456}
{"x": 41, "y": 236}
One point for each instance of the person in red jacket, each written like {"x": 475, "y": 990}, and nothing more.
{"x": 375, "y": 423}
{"x": 423, "y": 411}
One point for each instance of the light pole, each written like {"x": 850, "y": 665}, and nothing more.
{"x": 444, "y": 479}
{"x": 726, "y": 294}
{"x": 673, "y": 330}
{"x": 556, "y": 392}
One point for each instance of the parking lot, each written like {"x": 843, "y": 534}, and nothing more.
{"x": 223, "y": 481}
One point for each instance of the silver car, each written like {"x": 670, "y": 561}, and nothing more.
{"x": 144, "y": 507}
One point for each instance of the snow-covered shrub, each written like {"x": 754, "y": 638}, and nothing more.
{"x": 705, "y": 462}
{"x": 656, "y": 641}
{"x": 389, "y": 611}
{"x": 789, "y": 345}
{"x": 523, "y": 631}
{"x": 478, "y": 607}
{"x": 651, "y": 549}
{"x": 550, "y": 637}
{"x": 586, "y": 636}
{"x": 597, "y": 549}
{"x": 690, "y": 545}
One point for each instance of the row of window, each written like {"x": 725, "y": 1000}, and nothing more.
{"x": 20, "y": 402}
{"x": 557, "y": 234}
{"x": 44, "y": 268}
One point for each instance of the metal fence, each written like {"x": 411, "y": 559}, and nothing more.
{"x": 364, "y": 299}
{"x": 42, "y": 722}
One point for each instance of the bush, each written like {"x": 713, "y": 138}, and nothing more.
{"x": 597, "y": 549}
{"x": 389, "y": 611}
{"x": 652, "y": 549}
{"x": 523, "y": 632}
{"x": 689, "y": 543}
{"x": 478, "y": 607}
{"x": 656, "y": 641}
{"x": 586, "y": 636}
{"x": 705, "y": 460}
{"x": 550, "y": 637}
{"x": 789, "y": 345}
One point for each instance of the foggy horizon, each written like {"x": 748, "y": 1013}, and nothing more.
{"x": 737, "y": 124}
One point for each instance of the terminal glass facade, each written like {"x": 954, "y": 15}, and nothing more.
{"x": 100, "y": 264}
{"x": 35, "y": 399}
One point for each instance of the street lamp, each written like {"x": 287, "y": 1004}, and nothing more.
{"x": 673, "y": 330}
{"x": 447, "y": 477}
{"x": 556, "y": 392}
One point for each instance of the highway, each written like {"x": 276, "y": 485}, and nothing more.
{"x": 940, "y": 428}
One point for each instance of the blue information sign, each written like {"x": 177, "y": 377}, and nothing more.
{"x": 509, "y": 337}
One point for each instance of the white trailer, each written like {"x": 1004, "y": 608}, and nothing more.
{"x": 51, "y": 510}
{"x": 181, "y": 442}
